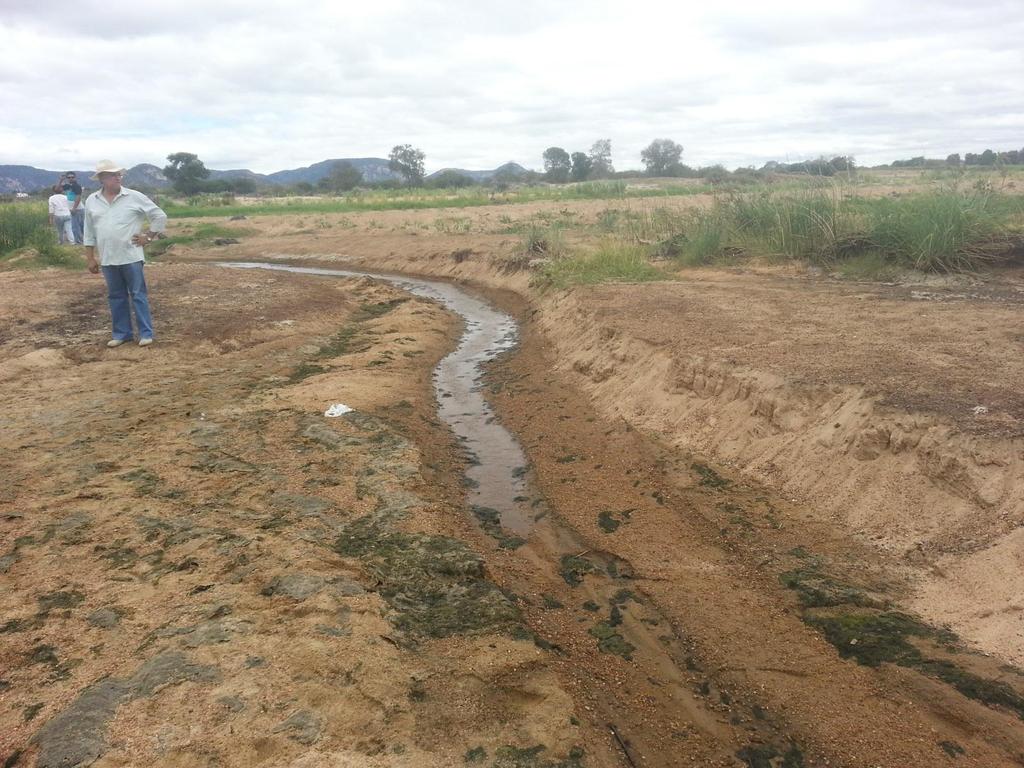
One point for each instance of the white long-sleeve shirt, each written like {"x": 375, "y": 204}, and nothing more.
{"x": 58, "y": 206}
{"x": 110, "y": 226}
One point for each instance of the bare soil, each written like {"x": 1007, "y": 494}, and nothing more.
{"x": 768, "y": 496}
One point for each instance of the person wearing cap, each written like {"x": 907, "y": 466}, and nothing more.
{"x": 114, "y": 216}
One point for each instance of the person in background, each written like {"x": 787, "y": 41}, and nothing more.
{"x": 114, "y": 216}
{"x": 60, "y": 215}
{"x": 73, "y": 190}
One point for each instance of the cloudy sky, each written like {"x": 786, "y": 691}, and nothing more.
{"x": 270, "y": 85}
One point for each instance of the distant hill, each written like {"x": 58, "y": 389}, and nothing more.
{"x": 374, "y": 169}
{"x": 509, "y": 169}
{"x": 25, "y": 178}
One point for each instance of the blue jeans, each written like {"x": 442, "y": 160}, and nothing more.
{"x": 78, "y": 224}
{"x": 125, "y": 283}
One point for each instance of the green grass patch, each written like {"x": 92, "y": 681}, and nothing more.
{"x": 609, "y": 520}
{"x": 610, "y": 641}
{"x": 803, "y": 225}
{"x": 19, "y": 223}
{"x": 435, "y": 585}
{"x": 419, "y": 199}
{"x": 348, "y": 340}
{"x": 863, "y": 629}
{"x": 574, "y": 568}
{"x": 533, "y": 757}
{"x": 304, "y": 371}
{"x": 612, "y": 262}
{"x": 816, "y": 589}
{"x": 27, "y": 241}
{"x": 709, "y": 478}
{"x": 539, "y": 241}
{"x": 944, "y": 230}
{"x": 937, "y": 232}
{"x": 200, "y": 234}
{"x": 769, "y": 756}
{"x": 872, "y": 639}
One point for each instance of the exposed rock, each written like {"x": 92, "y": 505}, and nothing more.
{"x": 297, "y": 586}
{"x": 105, "y": 618}
{"x": 59, "y": 600}
{"x": 8, "y": 560}
{"x": 346, "y": 588}
{"x": 168, "y": 668}
{"x": 294, "y": 502}
{"x": 231, "y": 703}
{"x": 303, "y": 727}
{"x": 77, "y": 736}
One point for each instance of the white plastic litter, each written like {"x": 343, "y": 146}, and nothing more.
{"x": 979, "y": 410}
{"x": 338, "y": 409}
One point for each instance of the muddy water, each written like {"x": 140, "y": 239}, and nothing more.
{"x": 496, "y": 475}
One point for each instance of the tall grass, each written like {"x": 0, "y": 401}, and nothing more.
{"x": 18, "y": 224}
{"x": 807, "y": 224}
{"x": 708, "y": 237}
{"x": 612, "y": 262}
{"x": 25, "y": 227}
{"x": 936, "y": 232}
{"x": 599, "y": 190}
{"x": 944, "y": 230}
{"x": 539, "y": 241}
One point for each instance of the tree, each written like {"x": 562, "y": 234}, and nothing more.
{"x": 407, "y": 161}
{"x": 842, "y": 163}
{"x": 601, "y": 159}
{"x": 343, "y": 176}
{"x": 953, "y": 159}
{"x": 557, "y": 164}
{"x": 244, "y": 186}
{"x": 451, "y": 179}
{"x": 186, "y": 172}
{"x": 581, "y": 166}
{"x": 662, "y": 157}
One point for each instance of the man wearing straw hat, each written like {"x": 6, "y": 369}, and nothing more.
{"x": 113, "y": 226}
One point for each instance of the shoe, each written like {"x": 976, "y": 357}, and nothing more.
{"x": 117, "y": 342}
{"x": 145, "y": 342}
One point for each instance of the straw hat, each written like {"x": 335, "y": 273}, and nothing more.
{"x": 105, "y": 166}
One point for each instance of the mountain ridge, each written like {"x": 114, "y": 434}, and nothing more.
{"x": 27, "y": 178}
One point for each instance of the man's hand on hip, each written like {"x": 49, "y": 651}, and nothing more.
{"x": 144, "y": 238}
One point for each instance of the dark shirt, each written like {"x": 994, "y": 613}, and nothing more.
{"x": 72, "y": 190}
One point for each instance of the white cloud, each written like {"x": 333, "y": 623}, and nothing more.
{"x": 274, "y": 85}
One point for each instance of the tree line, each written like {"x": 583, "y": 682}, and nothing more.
{"x": 661, "y": 158}
{"x": 987, "y": 158}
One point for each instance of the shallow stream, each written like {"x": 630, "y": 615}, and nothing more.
{"x": 664, "y": 668}
{"x": 496, "y": 474}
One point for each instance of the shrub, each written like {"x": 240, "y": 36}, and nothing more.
{"x": 937, "y": 232}
{"x": 542, "y": 241}
{"x": 612, "y": 262}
